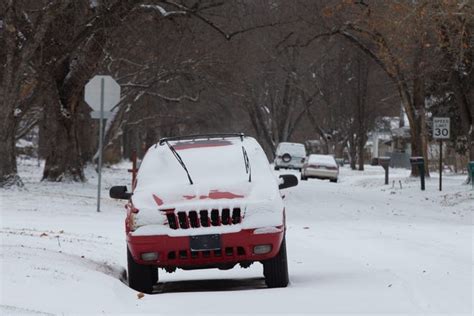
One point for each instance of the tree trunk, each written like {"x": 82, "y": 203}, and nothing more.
{"x": 63, "y": 156}
{"x": 9, "y": 92}
{"x": 352, "y": 152}
{"x": 8, "y": 168}
{"x": 8, "y": 97}
{"x": 363, "y": 74}
{"x": 258, "y": 123}
{"x": 419, "y": 144}
{"x": 471, "y": 143}
{"x": 361, "y": 150}
{"x": 339, "y": 148}
{"x": 416, "y": 113}
{"x": 116, "y": 145}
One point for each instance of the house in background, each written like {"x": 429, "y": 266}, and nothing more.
{"x": 391, "y": 138}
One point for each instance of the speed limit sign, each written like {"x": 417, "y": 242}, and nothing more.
{"x": 441, "y": 128}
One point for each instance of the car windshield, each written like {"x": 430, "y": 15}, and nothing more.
{"x": 295, "y": 149}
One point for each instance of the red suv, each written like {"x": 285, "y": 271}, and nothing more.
{"x": 205, "y": 201}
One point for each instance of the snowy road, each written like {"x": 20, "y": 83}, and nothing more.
{"x": 354, "y": 247}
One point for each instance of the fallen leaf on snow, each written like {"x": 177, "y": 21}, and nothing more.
{"x": 140, "y": 295}
{"x": 43, "y": 235}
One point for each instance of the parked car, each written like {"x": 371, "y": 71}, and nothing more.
{"x": 205, "y": 201}
{"x": 321, "y": 167}
{"x": 289, "y": 156}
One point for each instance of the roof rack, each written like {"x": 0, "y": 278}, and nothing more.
{"x": 202, "y": 136}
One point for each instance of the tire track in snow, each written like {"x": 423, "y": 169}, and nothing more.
{"x": 60, "y": 236}
{"x": 15, "y": 310}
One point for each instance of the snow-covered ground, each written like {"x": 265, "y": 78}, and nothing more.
{"x": 356, "y": 246}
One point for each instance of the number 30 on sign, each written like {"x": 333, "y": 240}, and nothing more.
{"x": 441, "y": 127}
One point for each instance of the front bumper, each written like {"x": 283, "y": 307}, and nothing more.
{"x": 175, "y": 251}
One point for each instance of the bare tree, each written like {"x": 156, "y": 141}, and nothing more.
{"x": 62, "y": 44}
{"x": 21, "y": 39}
{"x": 454, "y": 25}
{"x": 399, "y": 49}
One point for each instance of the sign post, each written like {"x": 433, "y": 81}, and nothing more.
{"x": 420, "y": 163}
{"x": 102, "y": 93}
{"x": 385, "y": 163}
{"x": 441, "y": 130}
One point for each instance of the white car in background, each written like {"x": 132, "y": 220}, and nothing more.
{"x": 290, "y": 156}
{"x": 321, "y": 167}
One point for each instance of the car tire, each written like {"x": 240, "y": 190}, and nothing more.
{"x": 154, "y": 275}
{"x": 304, "y": 178}
{"x": 275, "y": 270}
{"x": 140, "y": 277}
{"x": 277, "y": 168}
{"x": 333, "y": 180}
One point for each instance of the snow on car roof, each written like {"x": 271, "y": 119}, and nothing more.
{"x": 181, "y": 145}
{"x": 326, "y": 160}
{"x": 291, "y": 148}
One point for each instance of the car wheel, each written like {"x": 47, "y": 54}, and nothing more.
{"x": 304, "y": 178}
{"x": 277, "y": 168}
{"x": 275, "y": 270}
{"x": 140, "y": 277}
{"x": 333, "y": 180}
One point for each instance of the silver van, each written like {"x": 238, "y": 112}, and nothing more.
{"x": 289, "y": 156}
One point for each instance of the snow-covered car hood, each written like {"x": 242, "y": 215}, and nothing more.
{"x": 220, "y": 181}
{"x": 153, "y": 197}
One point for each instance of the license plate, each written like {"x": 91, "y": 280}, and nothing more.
{"x": 205, "y": 242}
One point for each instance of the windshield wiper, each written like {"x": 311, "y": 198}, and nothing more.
{"x": 248, "y": 169}
{"x": 180, "y": 160}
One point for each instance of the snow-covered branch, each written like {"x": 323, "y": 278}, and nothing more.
{"x": 175, "y": 99}
{"x": 162, "y": 10}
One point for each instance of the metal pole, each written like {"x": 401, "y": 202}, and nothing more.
{"x": 422, "y": 176}
{"x": 101, "y": 136}
{"x": 386, "y": 175}
{"x": 440, "y": 164}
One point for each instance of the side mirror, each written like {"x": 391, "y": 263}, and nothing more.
{"x": 119, "y": 192}
{"x": 289, "y": 180}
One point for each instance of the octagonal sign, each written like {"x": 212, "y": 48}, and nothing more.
{"x": 102, "y": 89}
